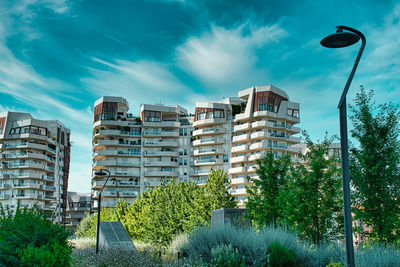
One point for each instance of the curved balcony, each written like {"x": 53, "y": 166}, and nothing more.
{"x": 5, "y": 196}
{"x": 158, "y": 153}
{"x": 161, "y": 173}
{"x": 26, "y": 196}
{"x": 294, "y": 140}
{"x": 205, "y": 162}
{"x": 5, "y": 186}
{"x": 104, "y": 163}
{"x": 262, "y": 124}
{"x": 27, "y": 186}
{"x": 237, "y": 170}
{"x": 240, "y": 138}
{"x": 208, "y": 151}
{"x": 35, "y": 136}
{"x": 256, "y": 156}
{"x": 161, "y": 143}
{"x": 242, "y": 127}
{"x": 236, "y": 181}
{"x": 205, "y": 122}
{"x": 260, "y": 135}
{"x": 208, "y": 141}
{"x": 130, "y": 123}
{"x": 262, "y": 145}
{"x": 170, "y": 124}
{"x": 252, "y": 169}
{"x": 239, "y": 159}
{"x": 201, "y": 172}
{"x": 209, "y": 131}
{"x": 117, "y": 133}
{"x": 101, "y": 144}
{"x": 162, "y": 134}
{"x": 239, "y": 149}
{"x": 166, "y": 163}
{"x": 99, "y": 154}
{"x": 238, "y": 191}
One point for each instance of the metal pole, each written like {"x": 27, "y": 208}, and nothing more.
{"x": 98, "y": 212}
{"x": 346, "y": 186}
{"x": 98, "y": 224}
{"x": 345, "y": 154}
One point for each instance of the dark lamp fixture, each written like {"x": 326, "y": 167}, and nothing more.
{"x": 100, "y": 173}
{"x": 340, "y": 39}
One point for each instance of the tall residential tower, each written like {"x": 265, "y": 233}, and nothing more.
{"x": 35, "y": 157}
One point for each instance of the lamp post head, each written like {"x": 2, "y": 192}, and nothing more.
{"x": 100, "y": 173}
{"x": 340, "y": 39}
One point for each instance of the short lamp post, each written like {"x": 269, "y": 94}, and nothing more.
{"x": 102, "y": 172}
{"x": 338, "y": 40}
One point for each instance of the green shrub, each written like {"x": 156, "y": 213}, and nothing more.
{"x": 335, "y": 264}
{"x": 254, "y": 246}
{"x": 88, "y": 226}
{"x": 46, "y": 256}
{"x": 279, "y": 256}
{"x": 27, "y": 238}
{"x": 226, "y": 256}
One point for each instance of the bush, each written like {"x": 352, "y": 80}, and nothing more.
{"x": 226, "y": 256}
{"x": 279, "y": 256}
{"x": 254, "y": 246}
{"x": 27, "y": 238}
{"x": 378, "y": 256}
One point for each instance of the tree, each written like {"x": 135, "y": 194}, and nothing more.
{"x": 264, "y": 202}
{"x": 216, "y": 191}
{"x": 313, "y": 202}
{"x": 375, "y": 166}
{"x": 27, "y": 238}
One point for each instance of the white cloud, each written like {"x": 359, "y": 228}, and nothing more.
{"x": 224, "y": 56}
{"x": 140, "y": 82}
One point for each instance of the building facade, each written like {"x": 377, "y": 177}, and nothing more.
{"x": 78, "y": 207}
{"x": 165, "y": 142}
{"x": 35, "y": 158}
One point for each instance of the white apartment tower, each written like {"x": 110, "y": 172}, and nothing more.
{"x": 35, "y": 158}
{"x": 140, "y": 152}
{"x": 265, "y": 124}
{"x": 164, "y": 142}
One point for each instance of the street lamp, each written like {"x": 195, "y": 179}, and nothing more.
{"x": 338, "y": 40}
{"x": 102, "y": 172}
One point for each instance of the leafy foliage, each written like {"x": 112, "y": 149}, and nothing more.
{"x": 27, "y": 238}
{"x": 279, "y": 256}
{"x": 264, "y": 194}
{"x": 375, "y": 167}
{"x": 226, "y": 256}
{"x": 168, "y": 210}
{"x": 88, "y": 226}
{"x": 305, "y": 197}
{"x": 313, "y": 203}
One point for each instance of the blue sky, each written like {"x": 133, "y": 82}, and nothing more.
{"x": 58, "y": 56}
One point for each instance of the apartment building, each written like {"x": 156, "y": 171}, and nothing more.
{"x": 35, "y": 158}
{"x": 212, "y": 137}
{"x": 165, "y": 142}
{"x": 78, "y": 207}
{"x": 264, "y": 124}
{"x": 140, "y": 152}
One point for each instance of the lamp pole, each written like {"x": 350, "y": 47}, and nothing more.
{"x": 100, "y": 173}
{"x": 338, "y": 40}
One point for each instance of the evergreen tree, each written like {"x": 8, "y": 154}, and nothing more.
{"x": 375, "y": 167}
{"x": 264, "y": 202}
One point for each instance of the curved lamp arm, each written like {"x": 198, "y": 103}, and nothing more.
{"x": 363, "y": 42}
